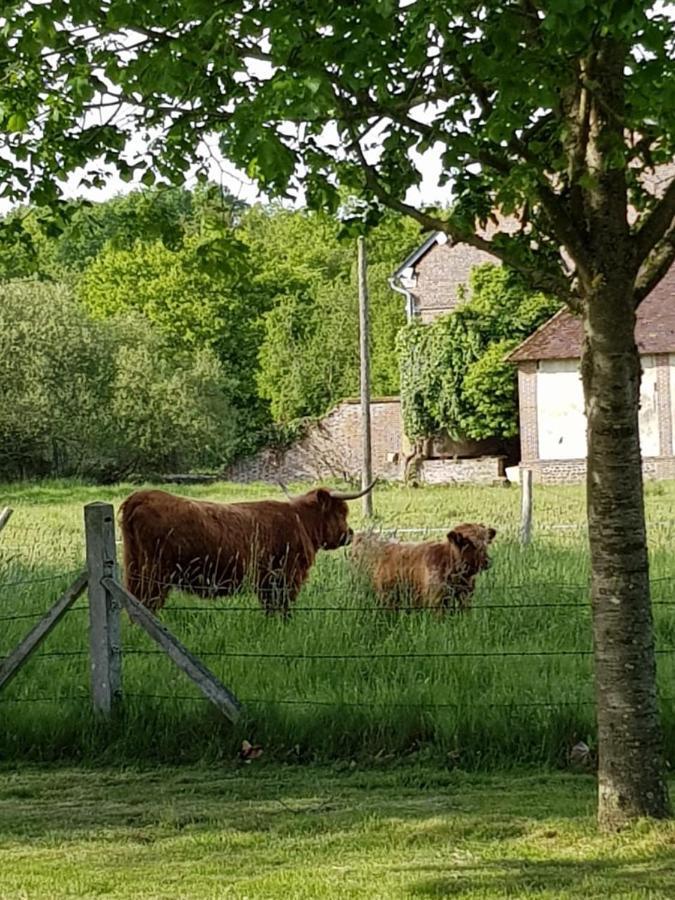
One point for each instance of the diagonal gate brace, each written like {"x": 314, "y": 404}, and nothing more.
{"x": 11, "y": 664}
{"x": 205, "y": 680}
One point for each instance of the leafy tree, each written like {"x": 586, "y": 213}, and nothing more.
{"x": 309, "y": 358}
{"x": 35, "y": 244}
{"x": 454, "y": 377}
{"x": 549, "y": 111}
{"x": 195, "y": 295}
{"x": 102, "y": 399}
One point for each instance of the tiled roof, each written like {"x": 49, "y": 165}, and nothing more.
{"x": 561, "y": 337}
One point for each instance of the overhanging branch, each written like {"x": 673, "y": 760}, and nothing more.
{"x": 540, "y": 279}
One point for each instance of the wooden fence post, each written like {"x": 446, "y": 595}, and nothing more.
{"x": 5, "y": 516}
{"x": 104, "y": 608}
{"x": 526, "y": 506}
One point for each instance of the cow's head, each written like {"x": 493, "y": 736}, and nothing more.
{"x": 472, "y": 541}
{"x": 330, "y": 519}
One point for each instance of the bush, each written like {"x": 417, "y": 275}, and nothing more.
{"x": 102, "y": 398}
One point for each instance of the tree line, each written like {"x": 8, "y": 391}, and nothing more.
{"x": 176, "y": 329}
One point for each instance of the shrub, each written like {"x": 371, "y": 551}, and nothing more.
{"x": 454, "y": 379}
{"x": 102, "y": 398}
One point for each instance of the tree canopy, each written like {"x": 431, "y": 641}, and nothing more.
{"x": 103, "y": 399}
{"x": 497, "y": 86}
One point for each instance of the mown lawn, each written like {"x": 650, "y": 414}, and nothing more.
{"x": 263, "y": 831}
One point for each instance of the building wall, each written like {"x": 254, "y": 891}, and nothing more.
{"x": 332, "y": 448}
{"x": 553, "y": 427}
{"x": 439, "y": 276}
{"x": 527, "y": 400}
{"x": 481, "y": 470}
{"x": 573, "y": 471}
{"x": 561, "y": 422}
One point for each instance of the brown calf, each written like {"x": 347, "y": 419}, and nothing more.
{"x": 437, "y": 575}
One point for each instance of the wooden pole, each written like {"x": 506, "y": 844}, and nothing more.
{"x": 364, "y": 334}
{"x": 525, "y": 506}
{"x": 104, "y": 608}
{"x": 5, "y": 516}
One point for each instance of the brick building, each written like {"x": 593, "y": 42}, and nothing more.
{"x": 432, "y": 277}
{"x": 552, "y": 419}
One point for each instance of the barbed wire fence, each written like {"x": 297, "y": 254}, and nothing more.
{"x": 371, "y": 654}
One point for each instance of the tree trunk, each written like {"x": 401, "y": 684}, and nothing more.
{"x": 631, "y": 780}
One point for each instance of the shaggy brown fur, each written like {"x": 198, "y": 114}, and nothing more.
{"x": 210, "y": 549}
{"x": 437, "y": 575}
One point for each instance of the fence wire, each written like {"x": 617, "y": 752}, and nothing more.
{"x": 374, "y": 608}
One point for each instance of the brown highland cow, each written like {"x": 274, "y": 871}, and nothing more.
{"x": 436, "y": 575}
{"x": 212, "y": 549}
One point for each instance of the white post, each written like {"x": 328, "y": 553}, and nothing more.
{"x": 526, "y": 506}
{"x": 104, "y": 608}
{"x": 364, "y": 332}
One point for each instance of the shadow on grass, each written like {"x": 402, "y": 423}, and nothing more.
{"x": 651, "y": 875}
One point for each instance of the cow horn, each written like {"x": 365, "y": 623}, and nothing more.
{"x": 336, "y": 495}
{"x": 284, "y": 488}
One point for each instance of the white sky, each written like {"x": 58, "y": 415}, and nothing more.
{"x": 222, "y": 172}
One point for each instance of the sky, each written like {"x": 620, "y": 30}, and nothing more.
{"x": 224, "y": 173}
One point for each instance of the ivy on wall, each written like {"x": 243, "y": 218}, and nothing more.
{"x": 454, "y": 378}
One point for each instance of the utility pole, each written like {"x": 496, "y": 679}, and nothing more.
{"x": 364, "y": 333}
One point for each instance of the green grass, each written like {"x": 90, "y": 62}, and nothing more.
{"x": 309, "y": 832}
{"x": 508, "y": 684}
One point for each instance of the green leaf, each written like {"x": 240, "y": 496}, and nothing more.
{"x": 17, "y": 122}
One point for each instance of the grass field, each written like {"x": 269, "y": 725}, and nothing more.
{"x": 310, "y": 832}
{"x": 508, "y": 684}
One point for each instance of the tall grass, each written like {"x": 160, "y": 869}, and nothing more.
{"x": 510, "y": 682}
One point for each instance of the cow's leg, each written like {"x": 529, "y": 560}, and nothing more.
{"x": 146, "y": 585}
{"x": 277, "y": 593}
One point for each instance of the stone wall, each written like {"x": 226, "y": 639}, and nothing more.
{"x": 332, "y": 448}
{"x": 573, "y": 471}
{"x": 482, "y": 470}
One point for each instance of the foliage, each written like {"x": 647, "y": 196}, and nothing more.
{"x": 195, "y": 295}
{"x": 502, "y": 85}
{"x": 453, "y": 374}
{"x": 309, "y": 357}
{"x": 102, "y": 398}
{"x": 33, "y": 244}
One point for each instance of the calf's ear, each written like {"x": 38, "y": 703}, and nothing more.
{"x": 491, "y": 533}
{"x": 458, "y": 539}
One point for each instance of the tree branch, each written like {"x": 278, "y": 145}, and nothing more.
{"x": 548, "y": 282}
{"x": 656, "y": 265}
{"x": 659, "y": 221}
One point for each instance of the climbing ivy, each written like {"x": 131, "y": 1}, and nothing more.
{"x": 454, "y": 377}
